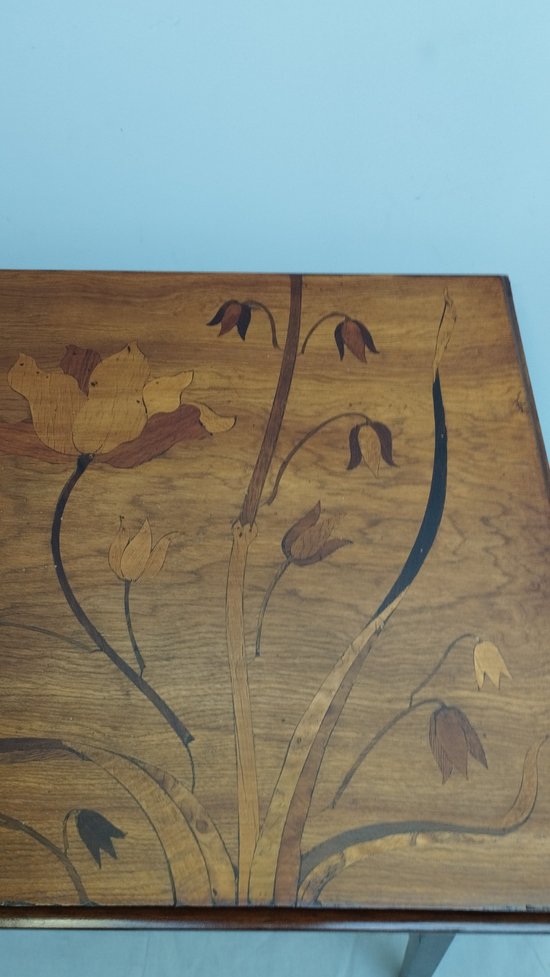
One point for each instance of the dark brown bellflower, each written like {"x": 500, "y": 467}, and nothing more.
{"x": 308, "y": 540}
{"x": 231, "y": 315}
{"x": 356, "y": 337}
{"x": 452, "y": 739}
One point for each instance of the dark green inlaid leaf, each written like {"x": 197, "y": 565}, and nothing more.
{"x": 16, "y": 749}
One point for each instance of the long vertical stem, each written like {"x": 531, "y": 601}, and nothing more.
{"x": 154, "y": 698}
{"x": 273, "y": 426}
{"x": 244, "y": 531}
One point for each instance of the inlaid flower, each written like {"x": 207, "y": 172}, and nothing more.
{"x": 356, "y": 337}
{"x": 489, "y": 661}
{"x": 372, "y": 443}
{"x": 308, "y": 540}
{"x": 97, "y": 833}
{"x": 112, "y": 409}
{"x": 232, "y": 315}
{"x": 135, "y": 557}
{"x": 452, "y": 739}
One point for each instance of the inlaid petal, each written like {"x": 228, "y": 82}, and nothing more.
{"x": 370, "y": 448}
{"x": 115, "y": 411}
{"x": 117, "y": 548}
{"x": 163, "y": 394}
{"x": 158, "y": 556}
{"x": 311, "y": 540}
{"x": 213, "y": 422}
{"x": 80, "y": 363}
{"x": 489, "y": 661}
{"x": 137, "y": 553}
{"x": 55, "y": 400}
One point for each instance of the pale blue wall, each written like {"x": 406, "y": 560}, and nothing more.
{"x": 404, "y": 136}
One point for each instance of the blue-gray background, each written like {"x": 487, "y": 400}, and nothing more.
{"x": 295, "y": 135}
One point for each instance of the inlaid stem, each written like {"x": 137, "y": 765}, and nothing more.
{"x": 130, "y": 627}
{"x": 13, "y": 824}
{"x": 315, "y": 326}
{"x": 254, "y": 304}
{"x": 300, "y": 444}
{"x": 244, "y": 531}
{"x": 154, "y": 698}
{"x": 267, "y": 597}
{"x": 346, "y": 780}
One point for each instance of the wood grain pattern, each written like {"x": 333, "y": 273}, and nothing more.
{"x": 274, "y": 615}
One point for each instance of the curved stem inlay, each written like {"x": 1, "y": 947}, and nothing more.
{"x": 315, "y": 326}
{"x": 254, "y": 304}
{"x": 278, "y": 851}
{"x": 346, "y": 780}
{"x": 352, "y": 770}
{"x": 13, "y": 824}
{"x": 299, "y": 444}
{"x": 324, "y": 862}
{"x": 154, "y": 698}
{"x": 267, "y": 597}
{"x": 129, "y": 625}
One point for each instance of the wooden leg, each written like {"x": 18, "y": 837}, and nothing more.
{"x": 424, "y": 953}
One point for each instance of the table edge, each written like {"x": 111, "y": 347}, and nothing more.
{"x": 292, "y": 919}
{"x": 530, "y": 920}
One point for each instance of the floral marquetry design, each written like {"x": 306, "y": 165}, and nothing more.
{"x": 111, "y": 408}
{"x": 283, "y": 676}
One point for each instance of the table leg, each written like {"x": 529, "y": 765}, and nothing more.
{"x": 424, "y": 953}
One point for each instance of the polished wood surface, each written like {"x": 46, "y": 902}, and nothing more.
{"x": 274, "y": 603}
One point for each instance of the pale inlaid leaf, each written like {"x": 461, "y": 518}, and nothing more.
{"x": 526, "y": 797}
{"x": 163, "y": 394}
{"x": 445, "y": 331}
{"x": 218, "y": 863}
{"x": 489, "y": 661}
{"x": 214, "y": 423}
{"x": 369, "y": 443}
{"x": 114, "y": 411}
{"x": 55, "y": 400}
{"x": 136, "y": 554}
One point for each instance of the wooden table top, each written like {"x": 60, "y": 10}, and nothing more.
{"x": 274, "y": 593}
